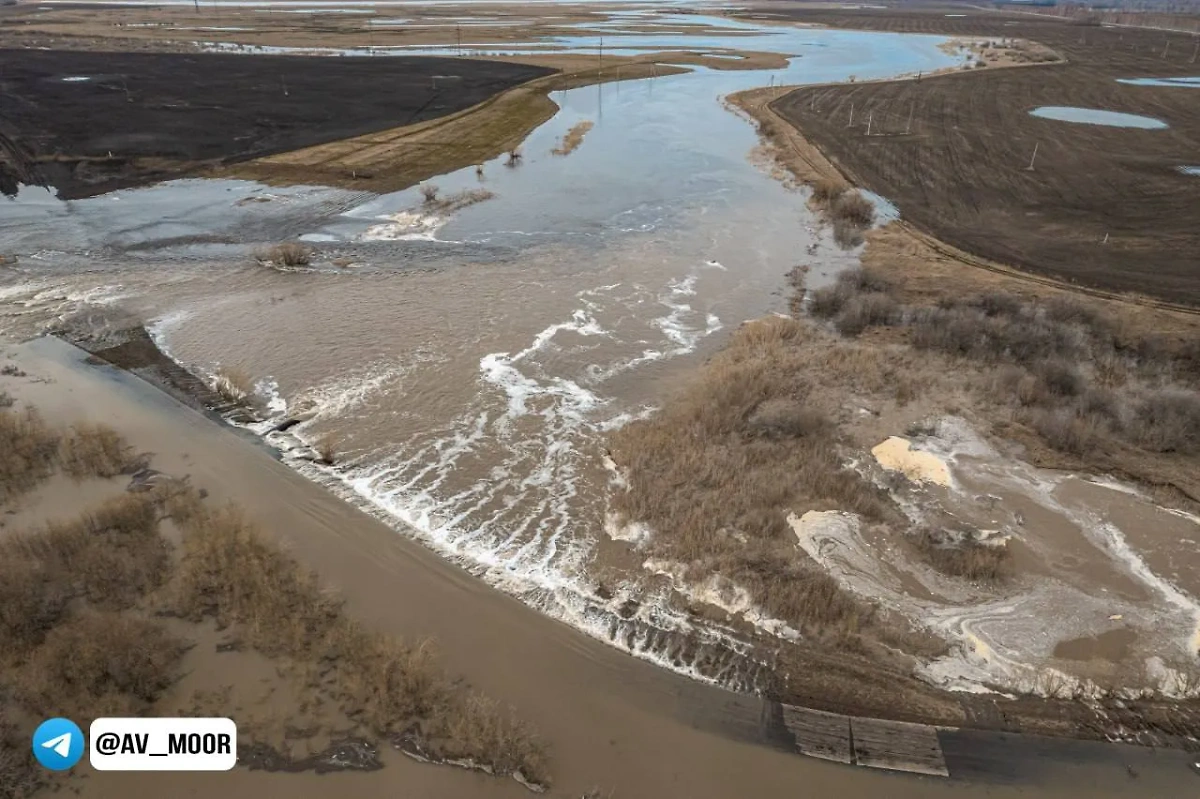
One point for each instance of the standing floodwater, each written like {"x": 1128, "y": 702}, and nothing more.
{"x": 469, "y": 364}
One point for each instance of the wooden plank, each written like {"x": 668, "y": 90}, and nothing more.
{"x": 819, "y": 734}
{"x": 898, "y": 746}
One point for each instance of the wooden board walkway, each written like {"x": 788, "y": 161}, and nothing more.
{"x": 874, "y": 743}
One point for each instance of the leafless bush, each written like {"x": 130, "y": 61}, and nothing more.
{"x": 959, "y": 555}
{"x": 786, "y": 418}
{"x": 234, "y": 384}
{"x": 853, "y": 208}
{"x": 290, "y": 253}
{"x": 480, "y": 729}
{"x": 1066, "y": 430}
{"x": 100, "y": 664}
{"x": 866, "y": 310}
{"x": 28, "y": 452}
{"x": 327, "y": 448}
{"x": 96, "y": 450}
{"x": 829, "y": 301}
{"x": 1168, "y": 421}
{"x": 6, "y": 400}
{"x": 429, "y": 192}
{"x": 1060, "y": 378}
{"x": 998, "y": 303}
{"x": 846, "y": 234}
{"x": 825, "y": 191}
{"x": 514, "y": 157}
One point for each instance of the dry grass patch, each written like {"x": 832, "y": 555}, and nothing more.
{"x": 573, "y": 138}
{"x": 100, "y": 664}
{"x": 959, "y": 555}
{"x": 234, "y": 384}
{"x": 398, "y": 691}
{"x": 290, "y": 253}
{"x": 96, "y": 450}
{"x": 28, "y": 452}
{"x": 715, "y": 473}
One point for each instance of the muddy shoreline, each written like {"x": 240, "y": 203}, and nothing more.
{"x": 843, "y": 683}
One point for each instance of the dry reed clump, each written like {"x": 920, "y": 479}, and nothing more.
{"x": 958, "y": 555}
{"x": 852, "y": 208}
{"x": 234, "y": 384}
{"x": 716, "y": 472}
{"x": 28, "y": 452}
{"x": 327, "y": 448}
{"x": 430, "y": 192}
{"x": 290, "y": 253}
{"x": 96, "y": 450}
{"x": 110, "y": 558}
{"x": 573, "y": 138}
{"x": 231, "y": 573}
{"x": 459, "y": 200}
{"x": 1075, "y": 376}
{"x": 100, "y": 664}
{"x": 825, "y": 191}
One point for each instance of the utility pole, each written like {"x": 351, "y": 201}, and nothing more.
{"x": 908, "y": 124}
{"x": 458, "y": 38}
{"x": 870, "y": 119}
{"x": 1166, "y": 48}
{"x": 850, "y": 124}
{"x": 1034, "y": 158}
{"x": 1194, "y": 52}
{"x": 601, "y": 63}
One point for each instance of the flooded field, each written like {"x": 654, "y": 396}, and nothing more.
{"x": 1096, "y": 116}
{"x": 468, "y": 349}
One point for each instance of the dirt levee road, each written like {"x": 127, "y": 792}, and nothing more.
{"x": 1103, "y": 206}
{"x": 93, "y": 122}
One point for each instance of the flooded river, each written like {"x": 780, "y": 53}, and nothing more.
{"x": 470, "y": 364}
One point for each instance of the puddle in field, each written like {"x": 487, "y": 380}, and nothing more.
{"x": 1096, "y": 116}
{"x": 1188, "y": 82}
{"x": 1190, "y": 170}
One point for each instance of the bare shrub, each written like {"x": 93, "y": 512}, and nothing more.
{"x": 853, "y": 208}
{"x": 100, "y": 664}
{"x": 1066, "y": 431}
{"x": 327, "y": 448}
{"x": 998, "y": 303}
{"x": 828, "y": 301}
{"x": 959, "y": 555}
{"x": 482, "y": 730}
{"x": 1060, "y": 378}
{"x": 825, "y": 191}
{"x": 96, "y": 450}
{"x": 1168, "y": 421}
{"x": 429, "y": 192}
{"x": 234, "y": 384}
{"x": 28, "y": 452}
{"x": 514, "y": 157}
{"x": 866, "y": 310}
{"x": 786, "y": 418}
{"x": 846, "y": 234}
{"x": 111, "y": 557}
{"x": 31, "y": 601}
{"x": 231, "y": 573}
{"x": 6, "y": 400}
{"x": 291, "y": 253}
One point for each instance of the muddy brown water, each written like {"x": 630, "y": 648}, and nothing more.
{"x": 470, "y": 368}
{"x": 612, "y": 721}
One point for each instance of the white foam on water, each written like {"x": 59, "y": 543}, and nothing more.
{"x": 405, "y": 226}
{"x": 533, "y": 435}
